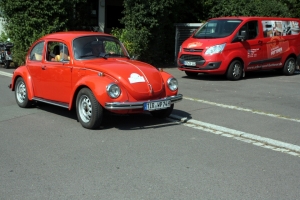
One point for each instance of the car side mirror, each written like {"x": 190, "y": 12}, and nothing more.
{"x": 242, "y": 35}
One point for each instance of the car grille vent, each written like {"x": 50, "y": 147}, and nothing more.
{"x": 192, "y": 50}
{"x": 194, "y": 58}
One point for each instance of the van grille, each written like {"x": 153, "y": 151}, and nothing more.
{"x": 192, "y": 58}
{"x": 192, "y": 50}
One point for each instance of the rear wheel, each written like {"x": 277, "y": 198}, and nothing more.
{"x": 191, "y": 74}
{"x": 289, "y": 67}
{"x": 89, "y": 111}
{"x": 235, "y": 70}
{"x": 21, "y": 94}
{"x": 162, "y": 113}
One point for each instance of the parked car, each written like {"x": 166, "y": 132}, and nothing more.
{"x": 235, "y": 45}
{"x": 92, "y": 72}
{"x": 6, "y": 54}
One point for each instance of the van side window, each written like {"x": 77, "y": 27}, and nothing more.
{"x": 252, "y": 29}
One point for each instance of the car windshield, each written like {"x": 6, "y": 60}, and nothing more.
{"x": 218, "y": 28}
{"x": 91, "y": 47}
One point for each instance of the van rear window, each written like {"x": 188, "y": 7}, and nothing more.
{"x": 217, "y": 28}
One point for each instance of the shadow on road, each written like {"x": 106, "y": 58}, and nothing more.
{"x": 121, "y": 122}
{"x": 249, "y": 75}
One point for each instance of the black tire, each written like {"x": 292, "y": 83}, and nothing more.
{"x": 6, "y": 64}
{"x": 21, "y": 94}
{"x": 89, "y": 111}
{"x": 289, "y": 67}
{"x": 191, "y": 74}
{"x": 235, "y": 70}
{"x": 162, "y": 113}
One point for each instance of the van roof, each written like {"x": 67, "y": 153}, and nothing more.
{"x": 258, "y": 18}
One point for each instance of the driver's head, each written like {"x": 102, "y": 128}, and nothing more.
{"x": 97, "y": 48}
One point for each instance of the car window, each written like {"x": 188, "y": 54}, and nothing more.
{"x": 91, "y": 47}
{"x": 57, "y": 52}
{"x": 37, "y": 52}
{"x": 218, "y": 28}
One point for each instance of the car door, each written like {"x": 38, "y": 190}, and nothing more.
{"x": 253, "y": 46}
{"x": 34, "y": 64}
{"x": 55, "y": 78}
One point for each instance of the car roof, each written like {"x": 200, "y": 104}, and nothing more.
{"x": 70, "y": 35}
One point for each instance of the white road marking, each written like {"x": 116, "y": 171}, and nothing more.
{"x": 268, "y": 143}
{"x": 264, "y": 142}
{"x": 6, "y": 74}
{"x": 243, "y": 109}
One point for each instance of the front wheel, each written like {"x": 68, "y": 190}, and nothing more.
{"x": 235, "y": 70}
{"x": 89, "y": 111}
{"x": 162, "y": 113}
{"x": 21, "y": 94}
{"x": 289, "y": 67}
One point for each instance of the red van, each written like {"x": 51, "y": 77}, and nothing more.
{"x": 235, "y": 45}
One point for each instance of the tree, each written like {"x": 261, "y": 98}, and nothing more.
{"x": 28, "y": 20}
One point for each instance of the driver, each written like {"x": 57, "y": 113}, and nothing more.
{"x": 97, "y": 48}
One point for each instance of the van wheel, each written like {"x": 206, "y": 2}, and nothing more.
{"x": 235, "y": 70}
{"x": 289, "y": 66}
{"x": 191, "y": 74}
{"x": 89, "y": 111}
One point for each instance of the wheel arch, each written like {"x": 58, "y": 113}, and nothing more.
{"x": 23, "y": 73}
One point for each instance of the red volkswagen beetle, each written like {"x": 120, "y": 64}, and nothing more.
{"x": 92, "y": 71}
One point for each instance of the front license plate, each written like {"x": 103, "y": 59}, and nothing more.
{"x": 157, "y": 105}
{"x": 189, "y": 63}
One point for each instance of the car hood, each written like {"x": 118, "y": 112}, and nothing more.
{"x": 141, "y": 80}
{"x": 194, "y": 43}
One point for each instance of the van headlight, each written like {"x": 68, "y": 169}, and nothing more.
{"x": 113, "y": 90}
{"x": 215, "y": 49}
{"x": 172, "y": 83}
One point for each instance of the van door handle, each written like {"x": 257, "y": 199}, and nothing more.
{"x": 43, "y": 67}
{"x": 260, "y": 42}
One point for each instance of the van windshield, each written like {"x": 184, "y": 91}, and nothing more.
{"x": 218, "y": 28}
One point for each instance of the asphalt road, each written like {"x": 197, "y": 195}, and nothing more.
{"x": 225, "y": 140}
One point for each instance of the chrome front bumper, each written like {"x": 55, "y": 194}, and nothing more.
{"x": 139, "y": 104}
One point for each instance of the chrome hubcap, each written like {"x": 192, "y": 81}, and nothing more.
{"x": 85, "y": 108}
{"x": 21, "y": 92}
{"x": 236, "y": 70}
{"x": 291, "y": 66}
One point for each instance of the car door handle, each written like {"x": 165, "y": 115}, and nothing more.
{"x": 43, "y": 67}
{"x": 260, "y": 42}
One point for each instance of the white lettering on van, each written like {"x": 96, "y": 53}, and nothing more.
{"x": 276, "y": 51}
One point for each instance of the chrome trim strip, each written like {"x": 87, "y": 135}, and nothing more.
{"x": 138, "y": 104}
{"x": 55, "y": 103}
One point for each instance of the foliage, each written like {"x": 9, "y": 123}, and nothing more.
{"x": 246, "y": 8}
{"x": 26, "y": 21}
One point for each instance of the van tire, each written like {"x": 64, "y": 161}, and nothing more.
{"x": 235, "y": 70}
{"x": 289, "y": 67}
{"x": 191, "y": 74}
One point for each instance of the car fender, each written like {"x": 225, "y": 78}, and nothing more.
{"x": 97, "y": 84}
{"x": 232, "y": 55}
{"x": 165, "y": 76}
{"x": 22, "y": 71}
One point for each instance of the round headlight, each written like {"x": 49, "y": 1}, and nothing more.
{"x": 113, "y": 90}
{"x": 172, "y": 83}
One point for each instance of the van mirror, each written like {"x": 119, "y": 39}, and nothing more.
{"x": 242, "y": 35}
